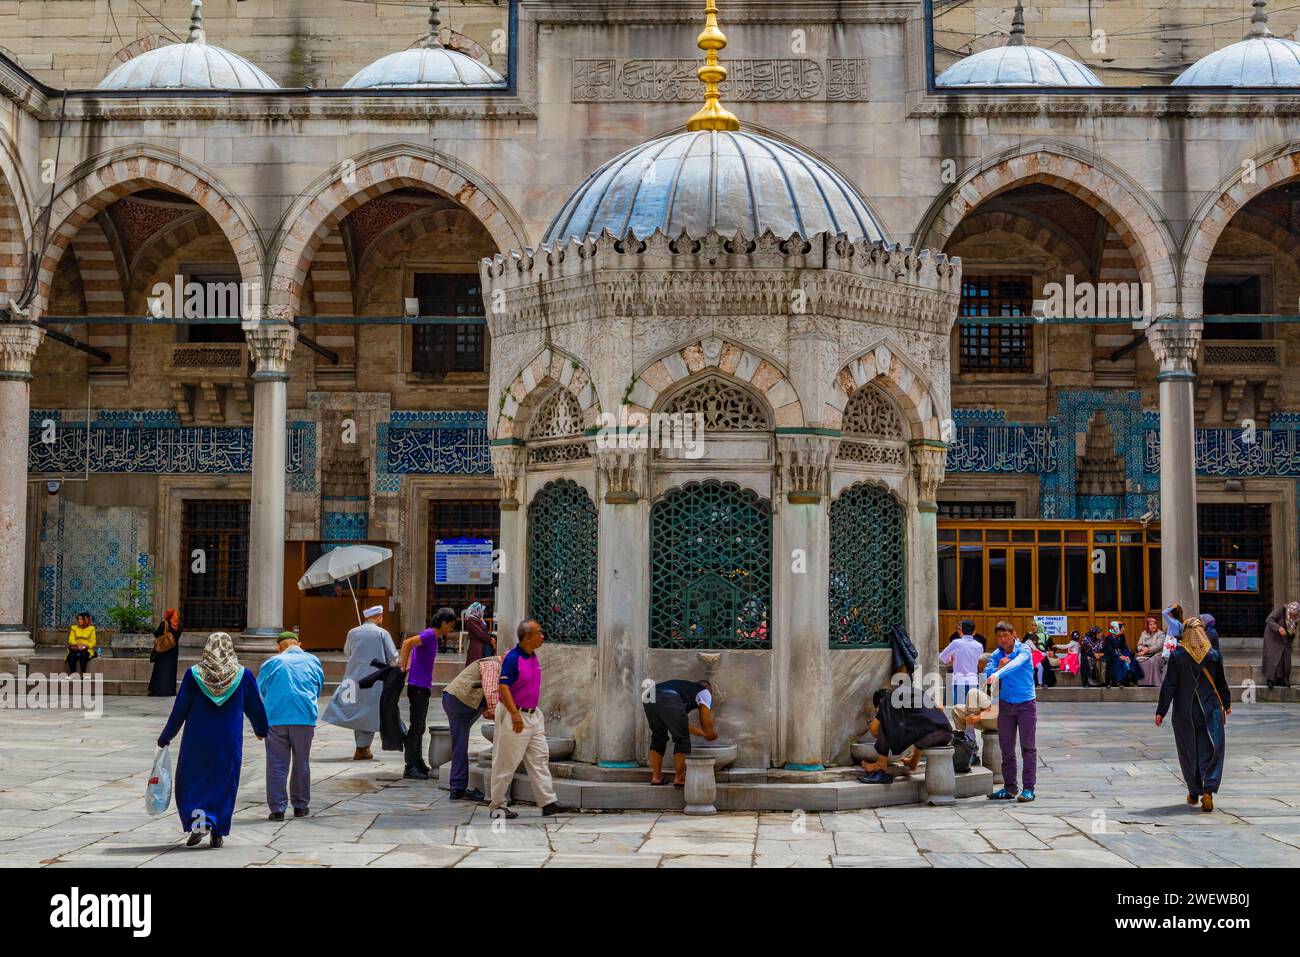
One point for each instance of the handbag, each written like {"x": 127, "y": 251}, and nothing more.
{"x": 165, "y": 643}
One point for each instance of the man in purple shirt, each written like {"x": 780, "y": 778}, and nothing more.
{"x": 417, "y": 657}
{"x": 521, "y": 730}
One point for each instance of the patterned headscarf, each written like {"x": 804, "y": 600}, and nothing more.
{"x": 476, "y": 610}
{"x": 1194, "y": 640}
{"x": 1292, "y": 616}
{"x": 218, "y": 670}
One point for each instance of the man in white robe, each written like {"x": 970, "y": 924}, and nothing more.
{"x": 354, "y": 707}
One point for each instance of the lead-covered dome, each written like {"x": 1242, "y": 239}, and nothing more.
{"x": 429, "y": 66}
{"x": 714, "y": 179}
{"x": 1261, "y": 59}
{"x": 192, "y": 65}
{"x": 1017, "y": 64}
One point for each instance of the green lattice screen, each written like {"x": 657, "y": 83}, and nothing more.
{"x": 710, "y": 568}
{"x": 868, "y": 594}
{"x": 562, "y": 563}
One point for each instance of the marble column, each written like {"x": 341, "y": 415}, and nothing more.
{"x": 623, "y": 582}
{"x": 271, "y": 346}
{"x": 512, "y": 596}
{"x": 929, "y": 458}
{"x": 18, "y": 344}
{"x": 1174, "y": 343}
{"x": 801, "y": 602}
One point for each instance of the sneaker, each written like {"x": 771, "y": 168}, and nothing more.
{"x": 472, "y": 794}
{"x": 301, "y": 811}
{"x": 275, "y": 816}
{"x": 415, "y": 774}
{"x": 504, "y": 812}
{"x": 1025, "y": 796}
{"x": 875, "y": 777}
{"x": 556, "y": 808}
{"x": 1001, "y": 794}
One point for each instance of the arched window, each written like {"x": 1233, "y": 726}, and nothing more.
{"x": 555, "y": 426}
{"x": 562, "y": 563}
{"x": 868, "y": 566}
{"x": 872, "y": 430}
{"x": 710, "y": 568}
{"x": 726, "y": 406}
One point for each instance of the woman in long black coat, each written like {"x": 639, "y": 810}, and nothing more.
{"x": 1196, "y": 687}
{"x": 162, "y": 680}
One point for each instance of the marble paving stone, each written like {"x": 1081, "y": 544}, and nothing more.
{"x": 577, "y": 859}
{"x": 695, "y": 846}
{"x": 696, "y": 860}
{"x": 973, "y": 860}
{"x": 422, "y": 855}
{"x": 850, "y": 860}
{"x": 496, "y": 857}
{"x": 1006, "y": 839}
{"x": 950, "y": 841}
{"x": 1098, "y": 857}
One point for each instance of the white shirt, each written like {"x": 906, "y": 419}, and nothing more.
{"x": 964, "y": 656}
{"x": 705, "y": 698}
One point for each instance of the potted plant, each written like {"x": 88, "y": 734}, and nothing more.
{"x": 132, "y": 616}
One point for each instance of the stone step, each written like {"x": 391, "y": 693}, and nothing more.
{"x": 1077, "y": 695}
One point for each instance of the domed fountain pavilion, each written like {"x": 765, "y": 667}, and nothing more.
{"x": 728, "y": 278}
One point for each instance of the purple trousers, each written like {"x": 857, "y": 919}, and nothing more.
{"x": 1021, "y": 717}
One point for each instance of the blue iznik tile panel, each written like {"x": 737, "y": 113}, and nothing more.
{"x": 344, "y": 526}
{"x": 431, "y": 443}
{"x": 156, "y": 442}
{"x": 983, "y": 442}
{"x": 85, "y": 554}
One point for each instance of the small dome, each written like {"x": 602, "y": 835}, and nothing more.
{"x": 192, "y": 65}
{"x": 1259, "y": 60}
{"x": 1017, "y": 66}
{"x": 725, "y": 180}
{"x": 424, "y": 68}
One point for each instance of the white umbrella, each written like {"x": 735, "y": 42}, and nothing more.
{"x": 342, "y": 563}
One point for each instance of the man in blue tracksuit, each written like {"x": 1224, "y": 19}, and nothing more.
{"x": 1011, "y": 668}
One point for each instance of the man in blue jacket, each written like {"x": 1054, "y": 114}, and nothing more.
{"x": 1011, "y": 670}
{"x": 290, "y": 683}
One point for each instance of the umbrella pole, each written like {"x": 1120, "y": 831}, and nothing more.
{"x": 354, "y": 600}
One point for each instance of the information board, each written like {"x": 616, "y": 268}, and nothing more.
{"x": 1223, "y": 575}
{"x": 462, "y": 561}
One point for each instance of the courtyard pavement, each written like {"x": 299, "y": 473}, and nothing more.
{"x": 71, "y": 795}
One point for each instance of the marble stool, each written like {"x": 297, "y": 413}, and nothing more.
{"x": 940, "y": 777}
{"x": 701, "y": 786}
{"x": 991, "y": 754}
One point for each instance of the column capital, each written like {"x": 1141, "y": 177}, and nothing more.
{"x": 803, "y": 466}
{"x": 271, "y": 346}
{"x": 929, "y": 461}
{"x": 624, "y": 472}
{"x": 508, "y": 463}
{"x": 1175, "y": 344}
{"x": 18, "y": 344}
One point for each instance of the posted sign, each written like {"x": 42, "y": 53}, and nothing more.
{"x": 462, "y": 561}
{"x": 1234, "y": 576}
{"x": 1053, "y": 625}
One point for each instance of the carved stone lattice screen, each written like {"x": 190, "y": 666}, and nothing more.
{"x": 872, "y": 431}
{"x": 710, "y": 568}
{"x": 558, "y": 417}
{"x": 562, "y": 530}
{"x": 726, "y": 407}
{"x": 868, "y": 590}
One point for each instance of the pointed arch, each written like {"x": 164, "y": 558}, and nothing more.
{"x": 549, "y": 367}
{"x": 97, "y": 184}
{"x": 885, "y": 365}
{"x": 1116, "y": 196}
{"x": 356, "y": 181}
{"x": 760, "y": 374}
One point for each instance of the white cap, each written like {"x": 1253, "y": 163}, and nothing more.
{"x": 373, "y": 611}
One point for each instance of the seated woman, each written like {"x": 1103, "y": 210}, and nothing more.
{"x": 1151, "y": 660}
{"x": 898, "y": 727}
{"x": 81, "y": 644}
{"x": 1123, "y": 670}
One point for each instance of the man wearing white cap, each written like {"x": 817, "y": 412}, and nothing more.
{"x": 352, "y": 706}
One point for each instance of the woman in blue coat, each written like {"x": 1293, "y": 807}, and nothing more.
{"x": 214, "y": 697}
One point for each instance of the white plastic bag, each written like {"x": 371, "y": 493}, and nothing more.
{"x": 158, "y": 794}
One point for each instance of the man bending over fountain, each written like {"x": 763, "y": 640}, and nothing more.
{"x": 900, "y": 723}
{"x": 669, "y": 715}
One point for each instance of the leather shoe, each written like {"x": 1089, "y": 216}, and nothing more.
{"x": 195, "y": 837}
{"x": 504, "y": 812}
{"x": 472, "y": 794}
{"x": 275, "y": 816}
{"x": 415, "y": 774}
{"x": 301, "y": 812}
{"x": 556, "y": 808}
{"x": 363, "y": 754}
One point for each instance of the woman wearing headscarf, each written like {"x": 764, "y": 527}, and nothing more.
{"x": 480, "y": 638}
{"x": 82, "y": 642}
{"x": 1151, "y": 658}
{"x": 1196, "y": 687}
{"x": 1211, "y": 630}
{"x": 1068, "y": 654}
{"x": 1279, "y": 633}
{"x": 164, "y": 655}
{"x": 214, "y": 698}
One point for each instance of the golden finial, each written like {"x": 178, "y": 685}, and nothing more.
{"x": 713, "y": 115}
